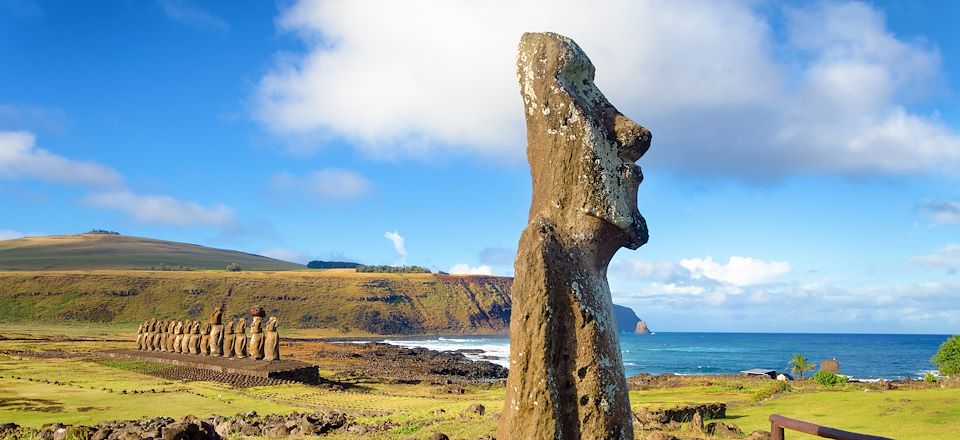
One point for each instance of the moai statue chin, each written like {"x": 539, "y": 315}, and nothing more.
{"x": 566, "y": 377}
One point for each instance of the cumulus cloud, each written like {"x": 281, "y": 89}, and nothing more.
{"x": 20, "y": 158}
{"x": 285, "y": 254}
{"x": 466, "y": 269}
{"x": 721, "y": 89}
{"x": 161, "y": 209}
{"x": 183, "y": 11}
{"x": 325, "y": 185}
{"x": 739, "y": 271}
{"x": 399, "y": 244}
{"x": 6, "y": 234}
{"x": 947, "y": 259}
{"x": 941, "y": 211}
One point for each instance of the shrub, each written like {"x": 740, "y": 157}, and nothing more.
{"x": 770, "y": 389}
{"x": 947, "y": 358}
{"x": 391, "y": 269}
{"x": 829, "y": 379}
{"x": 345, "y": 328}
{"x": 233, "y": 267}
{"x": 317, "y": 264}
{"x": 930, "y": 377}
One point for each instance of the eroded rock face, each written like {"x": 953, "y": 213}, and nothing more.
{"x": 642, "y": 328}
{"x": 566, "y": 375}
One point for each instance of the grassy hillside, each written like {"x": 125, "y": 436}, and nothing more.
{"x": 336, "y": 298}
{"x": 109, "y": 251}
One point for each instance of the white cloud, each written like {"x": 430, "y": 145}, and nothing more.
{"x": 466, "y": 269}
{"x": 399, "y": 244}
{"x": 655, "y": 270}
{"x": 20, "y": 158}
{"x": 739, "y": 271}
{"x": 326, "y": 185}
{"x": 286, "y": 255}
{"x": 6, "y": 234}
{"x": 947, "y": 259}
{"x": 161, "y": 209}
{"x": 723, "y": 92}
{"x": 184, "y": 12}
{"x": 941, "y": 211}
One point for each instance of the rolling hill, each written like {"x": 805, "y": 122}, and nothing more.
{"x": 113, "y": 251}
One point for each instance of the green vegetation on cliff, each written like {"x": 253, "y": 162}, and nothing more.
{"x": 336, "y": 298}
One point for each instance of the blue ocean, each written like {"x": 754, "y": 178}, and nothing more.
{"x": 861, "y": 356}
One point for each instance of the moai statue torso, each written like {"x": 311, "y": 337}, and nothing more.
{"x": 164, "y": 335}
{"x": 158, "y": 336}
{"x": 178, "y": 337}
{"x": 216, "y": 333}
{"x": 566, "y": 377}
{"x": 271, "y": 340}
{"x": 205, "y": 339}
{"x": 240, "y": 339}
{"x": 255, "y": 346}
{"x": 171, "y": 337}
{"x": 228, "y": 339}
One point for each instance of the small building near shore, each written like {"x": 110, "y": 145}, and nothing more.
{"x": 772, "y": 374}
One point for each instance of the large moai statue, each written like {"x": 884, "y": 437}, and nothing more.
{"x": 171, "y": 337}
{"x": 240, "y": 339}
{"x": 255, "y": 347}
{"x": 216, "y": 333}
{"x": 271, "y": 340}
{"x": 158, "y": 337}
{"x": 228, "y": 339}
{"x": 566, "y": 377}
{"x": 178, "y": 337}
{"x": 205, "y": 339}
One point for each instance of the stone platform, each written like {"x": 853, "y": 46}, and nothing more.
{"x": 284, "y": 369}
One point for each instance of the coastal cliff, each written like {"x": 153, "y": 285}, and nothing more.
{"x": 340, "y": 299}
{"x": 642, "y": 329}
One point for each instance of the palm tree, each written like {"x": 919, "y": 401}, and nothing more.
{"x": 799, "y": 364}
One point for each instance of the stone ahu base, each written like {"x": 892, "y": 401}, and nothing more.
{"x": 284, "y": 369}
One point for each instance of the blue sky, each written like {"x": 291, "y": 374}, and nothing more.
{"x": 803, "y": 173}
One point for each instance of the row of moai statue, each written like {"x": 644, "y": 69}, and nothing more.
{"x": 233, "y": 340}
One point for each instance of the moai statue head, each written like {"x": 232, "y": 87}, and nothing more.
{"x": 195, "y": 328}
{"x": 216, "y": 318}
{"x": 241, "y": 326}
{"x": 228, "y": 328}
{"x": 205, "y": 329}
{"x": 598, "y": 198}
{"x": 271, "y": 324}
{"x": 256, "y": 310}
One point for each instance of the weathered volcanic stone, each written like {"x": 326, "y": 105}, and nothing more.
{"x": 216, "y": 333}
{"x": 566, "y": 376}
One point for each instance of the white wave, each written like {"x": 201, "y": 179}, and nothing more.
{"x": 492, "y": 350}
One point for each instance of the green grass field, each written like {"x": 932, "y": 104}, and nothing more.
{"x": 38, "y": 391}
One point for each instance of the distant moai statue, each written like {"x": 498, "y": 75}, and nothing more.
{"x": 148, "y": 337}
{"x": 240, "y": 340}
{"x": 178, "y": 337}
{"x": 193, "y": 343}
{"x": 205, "y": 339}
{"x": 216, "y": 333}
{"x": 185, "y": 341}
{"x": 228, "y": 339}
{"x": 256, "y": 333}
{"x": 171, "y": 337}
{"x": 158, "y": 336}
{"x": 165, "y": 335}
{"x": 271, "y": 341}
{"x": 140, "y": 337}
